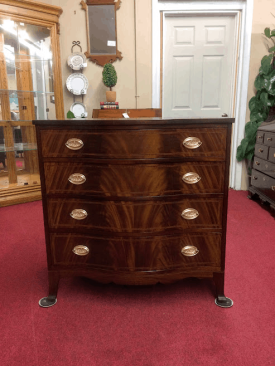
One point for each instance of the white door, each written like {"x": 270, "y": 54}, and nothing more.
{"x": 199, "y": 65}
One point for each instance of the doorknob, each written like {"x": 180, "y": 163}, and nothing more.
{"x": 224, "y": 115}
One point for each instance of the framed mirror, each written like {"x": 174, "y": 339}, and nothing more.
{"x": 101, "y": 30}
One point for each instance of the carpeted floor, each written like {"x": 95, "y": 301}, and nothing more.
{"x": 108, "y": 325}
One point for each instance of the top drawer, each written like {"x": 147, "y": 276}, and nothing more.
{"x": 260, "y": 137}
{"x": 129, "y": 144}
{"x": 269, "y": 139}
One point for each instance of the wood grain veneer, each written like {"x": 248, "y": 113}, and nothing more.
{"x": 157, "y": 253}
{"x": 137, "y": 180}
{"x": 134, "y": 196}
{"x": 139, "y": 144}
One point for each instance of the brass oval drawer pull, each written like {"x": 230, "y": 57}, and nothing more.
{"x": 189, "y": 214}
{"x": 269, "y": 139}
{"x": 79, "y": 214}
{"x": 261, "y": 150}
{"x": 191, "y": 178}
{"x": 255, "y": 178}
{"x": 74, "y": 144}
{"x": 260, "y": 137}
{"x": 77, "y": 178}
{"x": 189, "y": 251}
{"x": 81, "y": 250}
{"x": 273, "y": 188}
{"x": 257, "y": 163}
{"x": 192, "y": 142}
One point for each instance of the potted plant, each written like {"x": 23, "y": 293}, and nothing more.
{"x": 109, "y": 77}
{"x": 262, "y": 104}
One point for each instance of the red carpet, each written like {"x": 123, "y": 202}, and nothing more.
{"x": 174, "y": 325}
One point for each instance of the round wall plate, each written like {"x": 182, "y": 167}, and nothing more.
{"x": 77, "y": 84}
{"x": 77, "y": 61}
{"x": 79, "y": 110}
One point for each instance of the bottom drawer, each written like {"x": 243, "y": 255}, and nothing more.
{"x": 261, "y": 180}
{"x": 134, "y": 254}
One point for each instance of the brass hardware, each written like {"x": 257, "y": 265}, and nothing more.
{"x": 273, "y": 188}
{"x": 260, "y": 137}
{"x": 81, "y": 250}
{"x": 261, "y": 150}
{"x": 189, "y": 251}
{"x": 79, "y": 214}
{"x": 74, "y": 144}
{"x": 192, "y": 142}
{"x": 257, "y": 163}
{"x": 77, "y": 178}
{"x": 255, "y": 178}
{"x": 189, "y": 214}
{"x": 269, "y": 139}
{"x": 191, "y": 178}
{"x": 224, "y": 115}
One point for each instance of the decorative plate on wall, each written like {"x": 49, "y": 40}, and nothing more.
{"x": 79, "y": 110}
{"x": 77, "y": 61}
{"x": 77, "y": 84}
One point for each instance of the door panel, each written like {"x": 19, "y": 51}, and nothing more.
{"x": 199, "y": 65}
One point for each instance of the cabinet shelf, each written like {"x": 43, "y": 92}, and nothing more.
{"x": 19, "y": 147}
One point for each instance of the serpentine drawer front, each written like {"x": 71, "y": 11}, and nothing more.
{"x": 124, "y": 253}
{"x": 134, "y": 180}
{"x": 136, "y": 217}
{"x": 135, "y": 201}
{"x": 121, "y": 144}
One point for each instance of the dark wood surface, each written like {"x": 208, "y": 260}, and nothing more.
{"x": 135, "y": 217}
{"x": 133, "y": 180}
{"x": 137, "y": 254}
{"x": 137, "y": 144}
{"x": 134, "y": 196}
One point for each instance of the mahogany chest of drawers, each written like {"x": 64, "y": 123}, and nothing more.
{"x": 263, "y": 172}
{"x": 135, "y": 201}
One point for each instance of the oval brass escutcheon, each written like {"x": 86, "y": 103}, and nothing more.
{"x": 189, "y": 251}
{"x": 191, "y": 178}
{"x": 81, "y": 250}
{"x": 77, "y": 178}
{"x": 74, "y": 144}
{"x": 192, "y": 142}
{"x": 190, "y": 214}
{"x": 79, "y": 214}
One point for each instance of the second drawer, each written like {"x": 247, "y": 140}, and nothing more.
{"x": 134, "y": 180}
{"x": 136, "y": 217}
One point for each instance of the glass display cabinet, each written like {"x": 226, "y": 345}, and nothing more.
{"x": 30, "y": 88}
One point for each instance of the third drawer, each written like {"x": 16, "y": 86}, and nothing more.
{"x": 135, "y": 217}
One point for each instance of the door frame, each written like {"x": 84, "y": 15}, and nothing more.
{"x": 245, "y": 9}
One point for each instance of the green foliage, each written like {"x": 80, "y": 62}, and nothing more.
{"x": 259, "y": 105}
{"x": 70, "y": 115}
{"x": 109, "y": 75}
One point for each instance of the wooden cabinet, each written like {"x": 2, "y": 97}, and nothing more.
{"x": 263, "y": 172}
{"x": 30, "y": 88}
{"x": 135, "y": 201}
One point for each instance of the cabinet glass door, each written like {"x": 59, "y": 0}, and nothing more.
{"x": 26, "y": 93}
